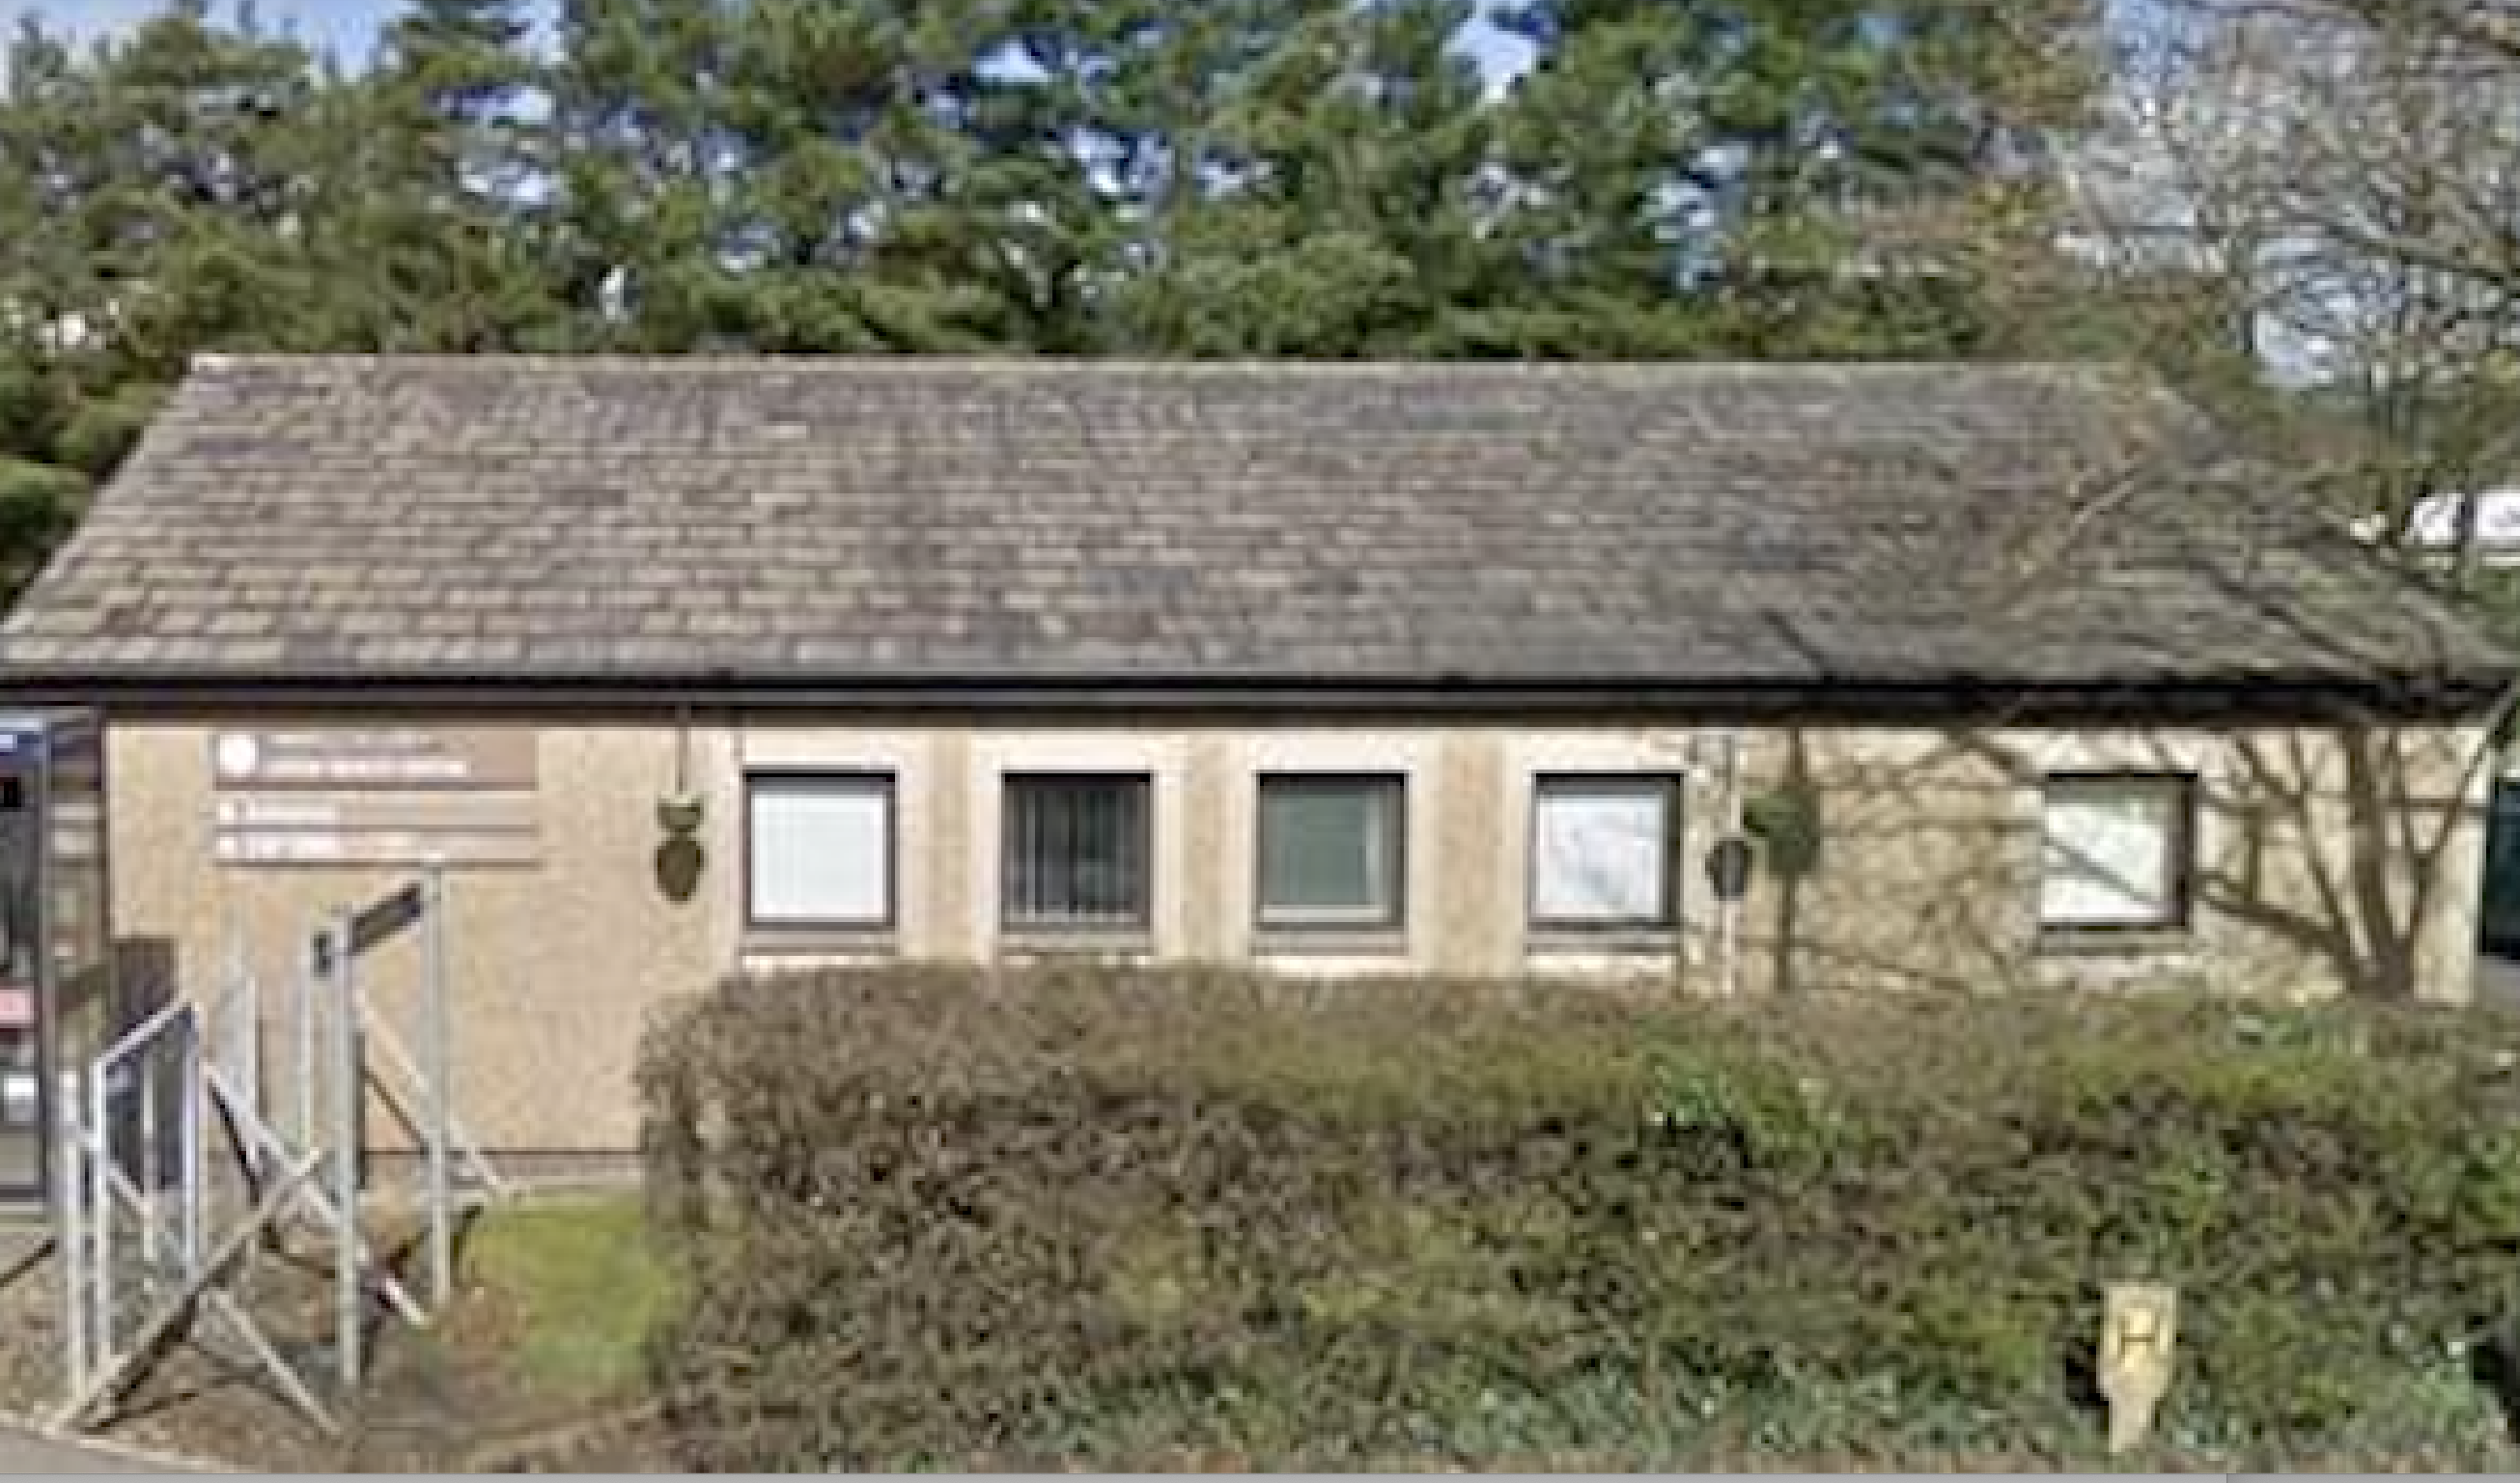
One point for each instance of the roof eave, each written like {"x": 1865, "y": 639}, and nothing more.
{"x": 2412, "y": 695}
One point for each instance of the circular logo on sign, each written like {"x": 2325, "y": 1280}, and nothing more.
{"x": 238, "y": 756}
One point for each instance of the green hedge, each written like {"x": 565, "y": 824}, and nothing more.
{"x": 1086, "y": 1218}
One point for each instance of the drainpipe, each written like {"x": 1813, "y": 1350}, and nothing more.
{"x": 1734, "y": 805}
{"x": 1726, "y": 749}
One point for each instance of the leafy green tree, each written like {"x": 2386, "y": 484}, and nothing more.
{"x": 1325, "y": 178}
{"x": 1597, "y": 250}
{"x": 154, "y": 201}
{"x": 1156, "y": 86}
{"x": 44, "y": 281}
{"x": 197, "y": 177}
{"x": 39, "y": 504}
{"x": 430, "y": 230}
{"x": 886, "y": 162}
{"x": 1340, "y": 216}
{"x": 48, "y": 162}
{"x": 644, "y": 245}
{"x": 1880, "y": 173}
{"x": 1782, "y": 177}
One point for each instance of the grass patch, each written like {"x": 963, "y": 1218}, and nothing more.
{"x": 582, "y": 1284}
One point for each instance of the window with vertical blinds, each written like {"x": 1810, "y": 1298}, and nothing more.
{"x": 1077, "y": 850}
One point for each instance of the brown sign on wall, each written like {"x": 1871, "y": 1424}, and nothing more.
{"x": 374, "y": 795}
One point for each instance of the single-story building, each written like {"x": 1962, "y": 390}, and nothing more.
{"x": 687, "y": 666}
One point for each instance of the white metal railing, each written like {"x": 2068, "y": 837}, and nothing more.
{"x": 115, "y": 1179}
{"x": 149, "y": 1228}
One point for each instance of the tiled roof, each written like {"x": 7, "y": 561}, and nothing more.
{"x": 855, "y": 520}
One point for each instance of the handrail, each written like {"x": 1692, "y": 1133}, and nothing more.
{"x": 144, "y": 1032}
{"x": 210, "y": 1050}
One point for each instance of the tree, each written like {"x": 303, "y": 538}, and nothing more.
{"x": 1304, "y": 184}
{"x": 885, "y": 162}
{"x": 1784, "y": 178}
{"x": 822, "y": 175}
{"x": 641, "y": 164}
{"x": 39, "y": 504}
{"x": 2301, "y": 211}
{"x": 1876, "y": 175}
{"x": 1596, "y": 251}
{"x": 429, "y": 228}
{"x": 192, "y": 147}
{"x": 1159, "y": 92}
{"x": 154, "y": 198}
{"x": 2329, "y": 189}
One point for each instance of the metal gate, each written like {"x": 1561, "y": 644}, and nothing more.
{"x": 191, "y": 1146}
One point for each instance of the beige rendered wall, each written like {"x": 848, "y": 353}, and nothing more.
{"x": 553, "y": 970}
{"x": 2327, "y": 861}
{"x": 1929, "y": 872}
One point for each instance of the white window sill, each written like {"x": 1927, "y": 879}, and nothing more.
{"x": 1287, "y": 941}
{"x": 2112, "y": 960}
{"x": 772, "y": 950}
{"x": 1625, "y": 956}
{"x": 1594, "y": 942}
{"x": 2103, "y": 944}
{"x": 1053, "y": 944}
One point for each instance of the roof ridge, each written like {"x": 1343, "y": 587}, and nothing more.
{"x": 212, "y": 361}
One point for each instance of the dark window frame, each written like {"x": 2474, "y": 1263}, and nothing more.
{"x": 1393, "y": 915}
{"x": 2179, "y": 915}
{"x": 881, "y": 782}
{"x": 1021, "y": 926}
{"x": 1667, "y": 908}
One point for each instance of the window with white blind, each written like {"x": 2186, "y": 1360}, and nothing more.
{"x": 2115, "y": 852}
{"x": 819, "y": 850}
{"x": 1600, "y": 852}
{"x": 1330, "y": 851}
{"x": 1077, "y": 850}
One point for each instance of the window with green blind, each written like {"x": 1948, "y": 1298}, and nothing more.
{"x": 1331, "y": 851}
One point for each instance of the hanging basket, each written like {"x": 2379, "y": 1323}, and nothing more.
{"x": 679, "y": 815}
{"x": 1786, "y": 821}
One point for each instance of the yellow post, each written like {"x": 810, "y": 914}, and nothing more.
{"x": 2137, "y": 1332}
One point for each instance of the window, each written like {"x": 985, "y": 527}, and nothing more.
{"x": 1076, "y": 852}
{"x": 820, "y": 850}
{"x": 1330, "y": 851}
{"x": 2115, "y": 852}
{"x": 1600, "y": 852}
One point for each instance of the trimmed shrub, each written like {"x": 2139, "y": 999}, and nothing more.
{"x": 1116, "y": 1218}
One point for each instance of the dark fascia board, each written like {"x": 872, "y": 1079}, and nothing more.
{"x": 1937, "y": 698}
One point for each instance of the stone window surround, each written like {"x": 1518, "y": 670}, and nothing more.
{"x": 2200, "y": 763}
{"x": 1386, "y": 797}
{"x": 1223, "y": 806}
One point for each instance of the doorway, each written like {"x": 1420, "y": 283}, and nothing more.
{"x": 21, "y": 1043}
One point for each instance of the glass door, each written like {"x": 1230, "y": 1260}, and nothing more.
{"x": 21, "y": 996}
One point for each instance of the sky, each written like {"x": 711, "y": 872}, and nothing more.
{"x": 347, "y": 28}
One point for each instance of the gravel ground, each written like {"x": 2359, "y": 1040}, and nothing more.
{"x": 437, "y": 1402}
{"x": 25, "y": 1454}
{"x": 2497, "y": 979}
{"x": 191, "y": 1405}
{"x": 30, "y": 1318}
